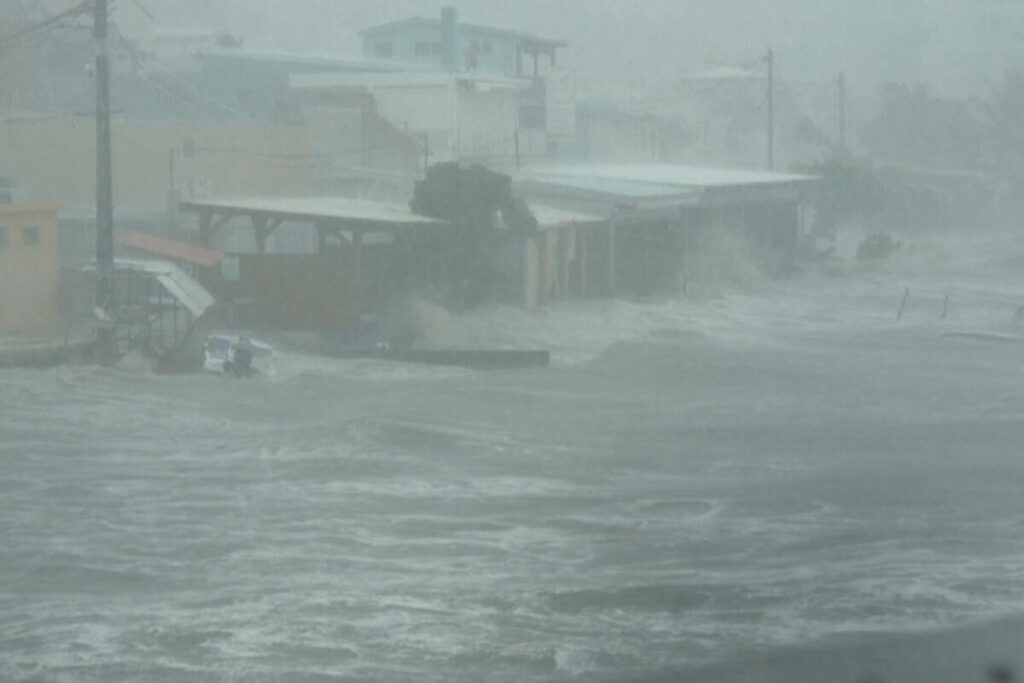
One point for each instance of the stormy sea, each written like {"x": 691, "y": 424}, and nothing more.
{"x": 762, "y": 473}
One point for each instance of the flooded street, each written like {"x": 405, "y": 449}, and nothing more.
{"x": 692, "y": 481}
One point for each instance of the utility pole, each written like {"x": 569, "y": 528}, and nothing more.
{"x": 106, "y": 337}
{"x": 770, "y": 60}
{"x": 842, "y": 112}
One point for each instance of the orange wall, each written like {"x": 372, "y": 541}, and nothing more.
{"x": 28, "y": 273}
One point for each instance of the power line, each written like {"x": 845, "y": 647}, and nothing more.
{"x": 142, "y": 61}
{"x": 145, "y": 10}
{"x": 31, "y": 35}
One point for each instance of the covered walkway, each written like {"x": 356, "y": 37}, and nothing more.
{"x": 347, "y": 220}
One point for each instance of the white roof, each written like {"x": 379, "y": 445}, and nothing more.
{"x": 684, "y": 177}
{"x": 176, "y": 281}
{"x": 311, "y": 209}
{"x": 652, "y": 184}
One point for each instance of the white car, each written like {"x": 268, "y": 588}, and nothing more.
{"x": 238, "y": 355}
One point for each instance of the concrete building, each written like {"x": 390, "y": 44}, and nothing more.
{"x": 465, "y": 92}
{"x": 466, "y": 117}
{"x": 609, "y": 132}
{"x": 154, "y": 163}
{"x": 448, "y": 44}
{"x": 29, "y": 270}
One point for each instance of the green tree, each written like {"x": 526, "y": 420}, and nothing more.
{"x": 483, "y": 211}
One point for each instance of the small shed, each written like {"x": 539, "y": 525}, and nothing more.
{"x": 557, "y": 257}
{"x": 29, "y": 270}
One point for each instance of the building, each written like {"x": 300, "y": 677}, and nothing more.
{"x": 557, "y": 258}
{"x": 254, "y": 84}
{"x": 451, "y": 45}
{"x": 610, "y": 132}
{"x": 316, "y": 263}
{"x": 664, "y": 222}
{"x": 29, "y": 270}
{"x": 154, "y": 163}
{"x": 465, "y": 92}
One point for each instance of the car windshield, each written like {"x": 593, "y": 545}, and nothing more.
{"x": 218, "y": 346}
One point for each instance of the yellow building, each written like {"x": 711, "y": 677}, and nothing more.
{"x": 29, "y": 270}
{"x": 55, "y": 161}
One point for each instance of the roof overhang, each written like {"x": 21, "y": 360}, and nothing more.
{"x": 338, "y": 212}
{"x": 617, "y": 187}
{"x": 178, "y": 251}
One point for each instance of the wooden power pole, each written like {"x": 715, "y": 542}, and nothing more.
{"x": 770, "y": 95}
{"x": 106, "y": 338}
{"x": 842, "y": 112}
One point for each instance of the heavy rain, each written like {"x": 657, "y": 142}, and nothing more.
{"x": 541, "y": 340}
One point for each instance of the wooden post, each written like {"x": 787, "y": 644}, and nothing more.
{"x": 321, "y": 237}
{"x": 357, "y": 269}
{"x": 582, "y": 234}
{"x": 259, "y": 227}
{"x": 770, "y": 58}
{"x": 106, "y": 337}
{"x": 842, "y": 113}
{"x": 611, "y": 258}
{"x": 205, "y": 228}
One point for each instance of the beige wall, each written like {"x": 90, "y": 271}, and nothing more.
{"x": 550, "y": 259}
{"x": 55, "y": 161}
{"x": 28, "y": 272}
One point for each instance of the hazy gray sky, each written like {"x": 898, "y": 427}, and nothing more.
{"x": 956, "y": 45}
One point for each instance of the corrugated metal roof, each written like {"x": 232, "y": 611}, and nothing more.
{"x": 177, "y": 282}
{"x": 646, "y": 183}
{"x": 341, "y": 210}
{"x": 179, "y": 251}
{"x": 667, "y": 175}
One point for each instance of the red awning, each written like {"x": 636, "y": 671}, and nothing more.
{"x": 178, "y": 251}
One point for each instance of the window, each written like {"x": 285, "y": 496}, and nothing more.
{"x": 383, "y": 49}
{"x": 435, "y": 48}
{"x": 422, "y": 49}
{"x": 30, "y": 237}
{"x": 488, "y": 47}
{"x": 4, "y": 237}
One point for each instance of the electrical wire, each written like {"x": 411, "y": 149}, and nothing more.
{"x": 32, "y": 36}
